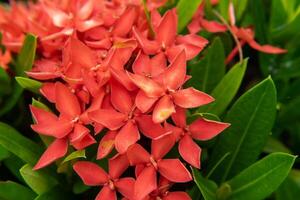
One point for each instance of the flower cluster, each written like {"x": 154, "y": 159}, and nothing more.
{"x": 111, "y": 71}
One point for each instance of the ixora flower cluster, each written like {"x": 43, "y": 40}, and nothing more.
{"x": 112, "y": 71}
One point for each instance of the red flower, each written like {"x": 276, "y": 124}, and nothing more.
{"x": 201, "y": 129}
{"x": 93, "y": 175}
{"x": 165, "y": 91}
{"x": 166, "y": 39}
{"x": 148, "y": 164}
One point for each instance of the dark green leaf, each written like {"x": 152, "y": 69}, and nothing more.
{"x": 207, "y": 187}
{"x": 56, "y": 193}
{"x": 14, "y": 164}
{"x": 288, "y": 190}
{"x": 39, "y": 104}
{"x": 186, "y": 10}
{"x": 208, "y": 72}
{"x": 251, "y": 119}
{"x": 262, "y": 178}
{"x": 13, "y": 191}
{"x": 5, "y": 87}
{"x": 79, "y": 187}
{"x": 3, "y": 153}
{"x": 37, "y": 180}
{"x": 29, "y": 84}
{"x": 27, "y": 54}
{"x": 226, "y": 89}
{"x": 19, "y": 145}
{"x": 10, "y": 101}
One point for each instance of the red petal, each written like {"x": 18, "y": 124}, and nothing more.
{"x": 167, "y": 28}
{"x": 149, "y": 47}
{"x": 160, "y": 147}
{"x": 213, "y": 26}
{"x": 106, "y": 193}
{"x": 124, "y": 24}
{"x": 189, "y": 151}
{"x": 43, "y": 75}
{"x": 174, "y": 170}
{"x": 203, "y": 129}
{"x": 142, "y": 65}
{"x": 117, "y": 165}
{"x": 90, "y": 173}
{"x": 78, "y": 133}
{"x": 66, "y": 101}
{"x": 176, "y": 131}
{"x": 177, "y": 196}
{"x": 137, "y": 155}
{"x": 158, "y": 64}
{"x": 174, "y": 75}
{"x": 86, "y": 141}
{"x": 120, "y": 98}
{"x": 191, "y": 98}
{"x": 179, "y": 117}
{"x": 149, "y": 128}
{"x": 48, "y": 91}
{"x": 163, "y": 109}
{"x": 55, "y": 150}
{"x": 81, "y": 54}
{"x": 128, "y": 135}
{"x": 193, "y": 44}
{"x": 126, "y": 187}
{"x": 57, "y": 129}
{"x": 150, "y": 87}
{"x": 85, "y": 10}
{"x": 59, "y": 18}
{"x": 106, "y": 144}
{"x": 42, "y": 116}
{"x": 121, "y": 76}
{"x": 143, "y": 102}
{"x": 109, "y": 118}
{"x": 266, "y": 48}
{"x": 145, "y": 183}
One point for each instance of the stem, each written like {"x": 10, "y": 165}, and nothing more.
{"x": 147, "y": 13}
{"x": 238, "y": 44}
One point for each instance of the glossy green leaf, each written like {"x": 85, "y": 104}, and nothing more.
{"x": 251, "y": 118}
{"x": 14, "y": 164}
{"x": 185, "y": 10}
{"x": 274, "y": 145}
{"x": 37, "y": 180}
{"x": 27, "y": 55}
{"x": 288, "y": 190}
{"x": 226, "y": 89}
{"x": 3, "y": 153}
{"x": 13, "y": 191}
{"x": 239, "y": 8}
{"x": 207, "y": 73}
{"x": 29, "y": 84}
{"x": 262, "y": 178}
{"x": 19, "y": 145}
{"x": 207, "y": 187}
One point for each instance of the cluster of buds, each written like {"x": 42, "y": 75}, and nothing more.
{"x": 111, "y": 71}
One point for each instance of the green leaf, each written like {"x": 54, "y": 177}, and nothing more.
{"x": 226, "y": 89}
{"x": 186, "y": 10}
{"x": 14, "y": 164}
{"x": 3, "y": 153}
{"x": 5, "y": 87}
{"x": 13, "y": 191}
{"x": 55, "y": 193}
{"x": 27, "y": 54}
{"x": 19, "y": 145}
{"x": 39, "y": 104}
{"x": 207, "y": 187}
{"x": 208, "y": 72}
{"x": 240, "y": 7}
{"x": 288, "y": 190}
{"x": 223, "y": 7}
{"x": 29, "y": 84}
{"x": 12, "y": 99}
{"x": 251, "y": 119}
{"x": 79, "y": 187}
{"x": 74, "y": 155}
{"x": 262, "y": 178}
{"x": 37, "y": 180}
{"x": 274, "y": 145}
